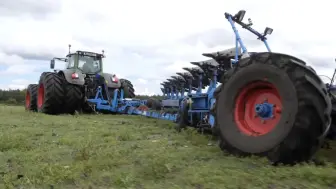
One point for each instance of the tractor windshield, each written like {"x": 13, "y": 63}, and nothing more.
{"x": 89, "y": 64}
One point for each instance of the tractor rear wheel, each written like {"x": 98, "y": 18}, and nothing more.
{"x": 31, "y": 98}
{"x": 50, "y": 94}
{"x": 73, "y": 98}
{"x": 273, "y": 105}
{"x": 128, "y": 88}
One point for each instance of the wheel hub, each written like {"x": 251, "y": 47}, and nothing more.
{"x": 264, "y": 110}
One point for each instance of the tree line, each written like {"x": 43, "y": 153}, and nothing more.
{"x": 17, "y": 97}
{"x": 12, "y": 97}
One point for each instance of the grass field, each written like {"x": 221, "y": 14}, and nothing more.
{"x": 113, "y": 151}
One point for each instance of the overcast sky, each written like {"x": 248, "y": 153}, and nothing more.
{"x": 146, "y": 41}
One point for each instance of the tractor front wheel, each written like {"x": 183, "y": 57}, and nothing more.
{"x": 31, "y": 98}
{"x": 73, "y": 98}
{"x": 50, "y": 94}
{"x": 272, "y": 105}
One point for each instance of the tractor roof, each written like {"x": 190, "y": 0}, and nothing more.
{"x": 87, "y": 53}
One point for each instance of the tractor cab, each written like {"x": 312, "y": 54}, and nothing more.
{"x": 82, "y": 61}
{"x": 86, "y": 62}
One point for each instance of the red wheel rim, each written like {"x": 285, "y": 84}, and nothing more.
{"x": 40, "y": 96}
{"x": 27, "y": 100}
{"x": 245, "y": 115}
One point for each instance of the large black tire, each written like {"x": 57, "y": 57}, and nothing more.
{"x": 128, "y": 88}
{"x": 31, "y": 98}
{"x": 50, "y": 96}
{"x": 73, "y": 98}
{"x": 302, "y": 125}
{"x": 43, "y": 75}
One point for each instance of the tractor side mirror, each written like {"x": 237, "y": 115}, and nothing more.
{"x": 268, "y": 31}
{"x": 52, "y": 64}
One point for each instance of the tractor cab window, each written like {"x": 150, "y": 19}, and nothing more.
{"x": 71, "y": 62}
{"x": 89, "y": 64}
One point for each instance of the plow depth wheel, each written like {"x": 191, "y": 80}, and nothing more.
{"x": 31, "y": 98}
{"x": 50, "y": 94}
{"x": 272, "y": 105}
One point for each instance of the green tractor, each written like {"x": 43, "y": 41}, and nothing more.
{"x": 67, "y": 90}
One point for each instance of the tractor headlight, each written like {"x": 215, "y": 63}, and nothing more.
{"x": 74, "y": 76}
{"x": 115, "y": 79}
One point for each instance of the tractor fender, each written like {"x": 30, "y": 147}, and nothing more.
{"x": 67, "y": 75}
{"x": 109, "y": 80}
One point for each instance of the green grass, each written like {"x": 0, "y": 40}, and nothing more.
{"x": 113, "y": 151}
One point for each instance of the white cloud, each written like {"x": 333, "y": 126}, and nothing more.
{"x": 142, "y": 81}
{"x": 6, "y": 59}
{"x": 20, "y": 81}
{"x": 145, "y": 92}
{"x": 177, "y": 66}
{"x": 146, "y": 40}
{"x": 17, "y": 84}
{"x": 13, "y": 86}
{"x": 18, "y": 69}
